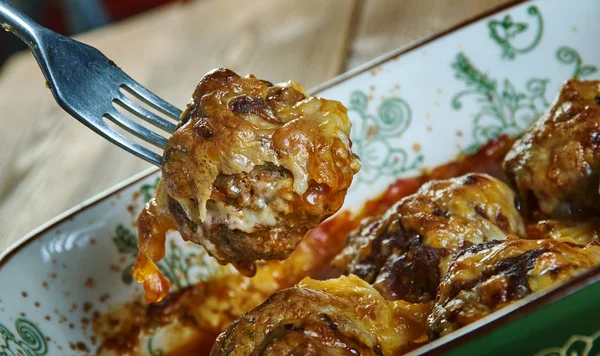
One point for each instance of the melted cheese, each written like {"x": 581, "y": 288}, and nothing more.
{"x": 247, "y": 220}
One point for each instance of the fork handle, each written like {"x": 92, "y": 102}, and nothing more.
{"x": 15, "y": 21}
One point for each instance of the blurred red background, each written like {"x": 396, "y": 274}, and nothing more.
{"x": 70, "y": 17}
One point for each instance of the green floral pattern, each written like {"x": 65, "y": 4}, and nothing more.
{"x": 502, "y": 108}
{"x": 31, "y": 341}
{"x": 372, "y": 136}
{"x": 182, "y": 265}
{"x": 567, "y": 55}
{"x": 176, "y": 266}
{"x": 505, "y": 31}
{"x": 147, "y": 190}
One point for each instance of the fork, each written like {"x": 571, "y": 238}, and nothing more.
{"x": 91, "y": 87}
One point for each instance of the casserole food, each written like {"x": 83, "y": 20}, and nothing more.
{"x": 455, "y": 250}
{"x": 416, "y": 126}
{"x": 251, "y": 168}
{"x": 209, "y": 307}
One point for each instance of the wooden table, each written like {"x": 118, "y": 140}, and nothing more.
{"x": 50, "y": 162}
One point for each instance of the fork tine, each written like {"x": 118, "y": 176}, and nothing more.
{"x": 115, "y": 137}
{"x": 142, "y": 113}
{"x": 137, "y": 129}
{"x": 134, "y": 88}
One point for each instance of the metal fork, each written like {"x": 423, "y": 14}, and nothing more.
{"x": 90, "y": 87}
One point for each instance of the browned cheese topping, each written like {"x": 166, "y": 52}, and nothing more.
{"x": 343, "y": 316}
{"x": 251, "y": 168}
{"x": 406, "y": 252}
{"x": 556, "y": 164}
{"x": 577, "y": 232}
{"x": 489, "y": 276}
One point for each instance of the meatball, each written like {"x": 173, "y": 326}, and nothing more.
{"x": 405, "y": 252}
{"x": 578, "y": 232}
{"x": 492, "y": 275}
{"x": 555, "y": 165}
{"x": 343, "y": 316}
{"x": 250, "y": 169}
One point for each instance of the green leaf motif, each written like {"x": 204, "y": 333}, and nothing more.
{"x": 177, "y": 264}
{"x": 127, "y": 274}
{"x": 31, "y": 341}
{"x": 569, "y": 56}
{"x": 587, "y": 70}
{"x": 147, "y": 190}
{"x": 125, "y": 240}
{"x": 510, "y": 96}
{"x": 372, "y": 136}
{"x": 505, "y": 31}
{"x": 499, "y": 110}
{"x": 472, "y": 76}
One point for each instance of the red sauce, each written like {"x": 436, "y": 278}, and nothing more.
{"x": 487, "y": 160}
{"x": 321, "y": 245}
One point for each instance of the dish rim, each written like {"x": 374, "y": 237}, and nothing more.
{"x": 13, "y": 248}
{"x": 442, "y": 345}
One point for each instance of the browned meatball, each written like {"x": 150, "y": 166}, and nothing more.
{"x": 492, "y": 275}
{"x": 251, "y": 168}
{"x": 343, "y": 316}
{"x": 578, "y": 232}
{"x": 556, "y": 164}
{"x": 405, "y": 253}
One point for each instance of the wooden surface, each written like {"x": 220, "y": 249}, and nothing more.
{"x": 49, "y": 162}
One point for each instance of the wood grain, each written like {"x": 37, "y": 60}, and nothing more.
{"x": 385, "y": 25}
{"x": 50, "y": 162}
